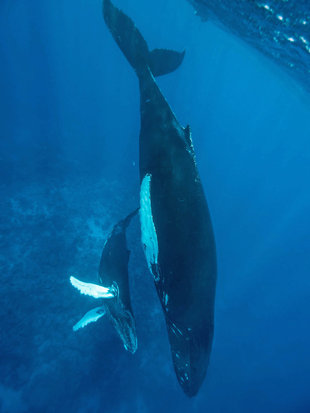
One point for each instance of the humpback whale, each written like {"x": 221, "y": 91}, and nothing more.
{"x": 176, "y": 229}
{"x": 113, "y": 287}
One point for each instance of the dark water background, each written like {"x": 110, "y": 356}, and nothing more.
{"x": 280, "y": 29}
{"x": 69, "y": 170}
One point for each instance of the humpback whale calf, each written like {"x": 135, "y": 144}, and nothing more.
{"x": 176, "y": 228}
{"x": 113, "y": 272}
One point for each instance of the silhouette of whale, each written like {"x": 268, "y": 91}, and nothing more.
{"x": 113, "y": 272}
{"x": 176, "y": 228}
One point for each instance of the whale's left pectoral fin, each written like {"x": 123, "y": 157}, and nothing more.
{"x": 90, "y": 317}
{"x": 94, "y": 290}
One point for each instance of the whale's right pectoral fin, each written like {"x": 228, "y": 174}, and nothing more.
{"x": 94, "y": 290}
{"x": 90, "y": 317}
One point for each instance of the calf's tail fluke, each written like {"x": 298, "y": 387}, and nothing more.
{"x": 135, "y": 48}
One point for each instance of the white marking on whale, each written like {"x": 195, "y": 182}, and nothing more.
{"x": 94, "y": 290}
{"x": 90, "y": 317}
{"x": 148, "y": 231}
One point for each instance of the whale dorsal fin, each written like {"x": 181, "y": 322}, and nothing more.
{"x": 189, "y": 142}
{"x": 188, "y": 137}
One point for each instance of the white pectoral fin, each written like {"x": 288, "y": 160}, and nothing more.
{"x": 90, "y": 317}
{"x": 94, "y": 290}
{"x": 148, "y": 230}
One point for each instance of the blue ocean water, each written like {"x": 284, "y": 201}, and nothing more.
{"x": 69, "y": 170}
{"x": 280, "y": 29}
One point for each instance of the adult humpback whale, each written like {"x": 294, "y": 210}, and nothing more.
{"x": 113, "y": 272}
{"x": 176, "y": 228}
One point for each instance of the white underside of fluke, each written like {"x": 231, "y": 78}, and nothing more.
{"x": 94, "y": 290}
{"x": 148, "y": 231}
{"x": 90, "y": 317}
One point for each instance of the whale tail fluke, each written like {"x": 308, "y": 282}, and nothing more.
{"x": 135, "y": 48}
{"x": 163, "y": 61}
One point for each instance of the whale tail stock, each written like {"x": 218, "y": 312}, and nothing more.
{"x": 126, "y": 221}
{"x": 135, "y": 48}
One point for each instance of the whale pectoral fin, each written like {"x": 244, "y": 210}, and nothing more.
{"x": 148, "y": 230}
{"x": 90, "y": 317}
{"x": 163, "y": 61}
{"x": 94, "y": 290}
